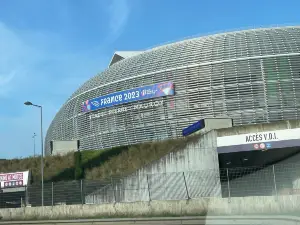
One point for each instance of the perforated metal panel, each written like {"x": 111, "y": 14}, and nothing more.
{"x": 252, "y": 76}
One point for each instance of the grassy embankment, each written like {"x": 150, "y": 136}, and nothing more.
{"x": 96, "y": 164}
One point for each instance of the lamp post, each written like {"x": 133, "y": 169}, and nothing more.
{"x": 34, "y": 135}
{"x": 42, "y": 147}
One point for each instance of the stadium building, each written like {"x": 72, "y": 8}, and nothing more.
{"x": 251, "y": 76}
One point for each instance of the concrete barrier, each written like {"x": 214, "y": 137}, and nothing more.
{"x": 195, "y": 207}
{"x": 213, "y": 220}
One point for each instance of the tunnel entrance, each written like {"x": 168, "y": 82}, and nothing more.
{"x": 259, "y": 158}
{"x": 265, "y": 168}
{"x": 259, "y": 173}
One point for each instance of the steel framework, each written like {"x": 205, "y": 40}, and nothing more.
{"x": 252, "y": 76}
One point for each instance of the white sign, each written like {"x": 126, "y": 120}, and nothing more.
{"x": 127, "y": 108}
{"x": 16, "y": 179}
{"x": 268, "y": 136}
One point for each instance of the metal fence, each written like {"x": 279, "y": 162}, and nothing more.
{"x": 229, "y": 182}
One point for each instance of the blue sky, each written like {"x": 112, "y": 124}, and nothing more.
{"x": 49, "y": 48}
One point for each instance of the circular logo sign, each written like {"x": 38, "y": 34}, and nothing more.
{"x": 256, "y": 146}
{"x": 262, "y": 146}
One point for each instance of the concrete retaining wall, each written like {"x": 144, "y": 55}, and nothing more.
{"x": 198, "y": 155}
{"x": 206, "y": 206}
{"x": 164, "y": 177}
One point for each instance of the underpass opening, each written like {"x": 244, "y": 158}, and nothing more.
{"x": 261, "y": 166}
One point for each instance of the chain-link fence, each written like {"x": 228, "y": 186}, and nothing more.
{"x": 229, "y": 182}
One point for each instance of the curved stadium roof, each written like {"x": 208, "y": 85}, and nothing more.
{"x": 217, "y": 47}
{"x": 200, "y": 51}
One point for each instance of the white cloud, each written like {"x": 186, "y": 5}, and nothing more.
{"x": 6, "y": 83}
{"x": 36, "y": 66}
{"x": 6, "y": 79}
{"x": 16, "y": 57}
{"x": 27, "y": 72}
{"x": 119, "y": 11}
{"x": 38, "y": 74}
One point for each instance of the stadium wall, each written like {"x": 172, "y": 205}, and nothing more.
{"x": 251, "y": 76}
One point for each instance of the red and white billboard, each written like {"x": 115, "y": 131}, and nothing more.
{"x": 16, "y": 179}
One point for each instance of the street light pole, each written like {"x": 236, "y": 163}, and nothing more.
{"x": 42, "y": 147}
{"x": 42, "y": 157}
{"x": 34, "y": 135}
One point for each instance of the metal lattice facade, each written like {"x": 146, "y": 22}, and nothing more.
{"x": 252, "y": 76}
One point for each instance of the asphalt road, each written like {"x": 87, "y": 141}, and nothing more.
{"x": 216, "y": 220}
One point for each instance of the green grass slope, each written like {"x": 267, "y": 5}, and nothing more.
{"x": 96, "y": 164}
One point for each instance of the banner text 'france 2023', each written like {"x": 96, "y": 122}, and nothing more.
{"x": 131, "y": 95}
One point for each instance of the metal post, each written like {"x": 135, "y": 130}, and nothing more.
{"x": 34, "y": 146}
{"x": 42, "y": 156}
{"x": 52, "y": 193}
{"x": 112, "y": 186}
{"x": 186, "y": 188}
{"x": 26, "y": 196}
{"x": 122, "y": 190}
{"x": 228, "y": 185}
{"x": 34, "y": 135}
{"x": 81, "y": 191}
{"x": 149, "y": 195}
{"x": 42, "y": 146}
{"x": 274, "y": 179}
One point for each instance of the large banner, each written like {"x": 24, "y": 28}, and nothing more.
{"x": 16, "y": 179}
{"x": 131, "y": 95}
